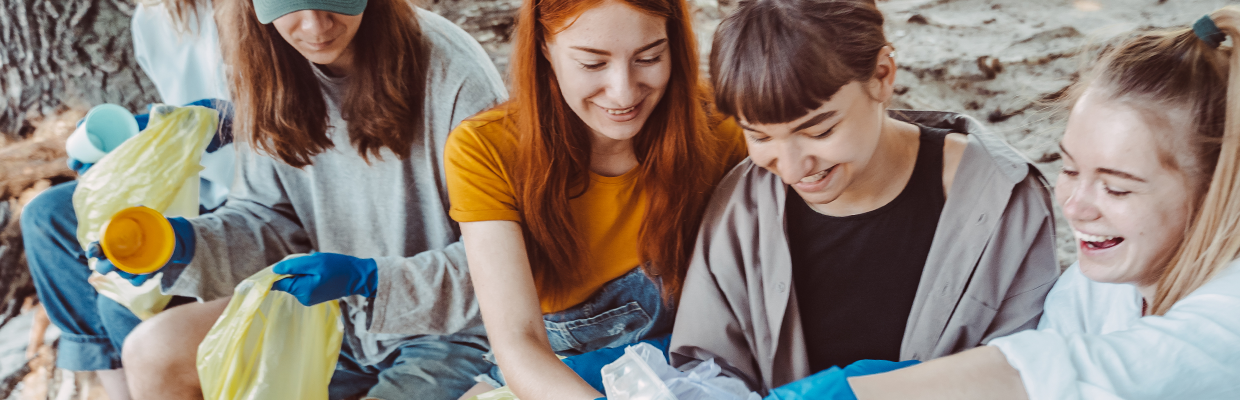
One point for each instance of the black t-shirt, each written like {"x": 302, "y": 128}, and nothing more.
{"x": 856, "y": 276}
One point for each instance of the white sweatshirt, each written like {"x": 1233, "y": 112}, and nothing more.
{"x": 1092, "y": 343}
{"x": 186, "y": 66}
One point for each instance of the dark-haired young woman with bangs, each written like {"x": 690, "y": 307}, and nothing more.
{"x": 343, "y": 108}
{"x": 852, "y": 232}
{"x": 579, "y": 199}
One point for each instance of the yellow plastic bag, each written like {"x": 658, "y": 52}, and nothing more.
{"x": 503, "y": 393}
{"x": 158, "y": 169}
{"x": 268, "y": 346}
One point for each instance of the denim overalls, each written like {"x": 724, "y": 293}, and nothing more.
{"x": 624, "y": 311}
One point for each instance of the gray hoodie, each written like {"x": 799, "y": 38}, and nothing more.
{"x": 393, "y": 210}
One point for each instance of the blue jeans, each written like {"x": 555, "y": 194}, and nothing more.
{"x": 94, "y": 327}
{"x": 624, "y": 311}
{"x": 428, "y": 367}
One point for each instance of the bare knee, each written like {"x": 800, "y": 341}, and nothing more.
{"x": 163, "y": 350}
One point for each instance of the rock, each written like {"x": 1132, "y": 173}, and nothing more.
{"x": 490, "y": 22}
{"x": 989, "y": 66}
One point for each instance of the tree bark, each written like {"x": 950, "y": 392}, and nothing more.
{"x": 56, "y": 54}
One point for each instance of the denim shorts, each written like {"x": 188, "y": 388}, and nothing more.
{"x": 423, "y": 368}
{"x": 624, "y": 311}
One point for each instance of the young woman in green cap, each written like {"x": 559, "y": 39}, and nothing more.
{"x": 343, "y": 109}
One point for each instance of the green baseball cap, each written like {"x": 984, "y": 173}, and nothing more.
{"x": 269, "y": 10}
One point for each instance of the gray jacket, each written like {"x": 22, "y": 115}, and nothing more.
{"x": 392, "y": 210}
{"x": 990, "y": 266}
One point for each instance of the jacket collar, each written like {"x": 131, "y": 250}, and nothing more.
{"x": 985, "y": 154}
{"x": 1013, "y": 165}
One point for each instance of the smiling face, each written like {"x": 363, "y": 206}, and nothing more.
{"x": 822, "y": 153}
{"x": 322, "y": 37}
{"x": 612, "y": 67}
{"x": 1121, "y": 190}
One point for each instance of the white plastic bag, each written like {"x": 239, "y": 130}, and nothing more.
{"x": 642, "y": 373}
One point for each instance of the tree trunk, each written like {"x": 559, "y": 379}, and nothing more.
{"x": 490, "y": 22}
{"x": 60, "y": 53}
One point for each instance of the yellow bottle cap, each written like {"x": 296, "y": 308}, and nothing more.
{"x": 138, "y": 240}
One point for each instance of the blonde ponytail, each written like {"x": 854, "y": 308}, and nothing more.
{"x": 1213, "y": 241}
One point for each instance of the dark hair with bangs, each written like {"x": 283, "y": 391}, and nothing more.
{"x": 774, "y": 61}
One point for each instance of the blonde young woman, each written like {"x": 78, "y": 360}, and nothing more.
{"x": 1151, "y": 187}
{"x": 175, "y": 44}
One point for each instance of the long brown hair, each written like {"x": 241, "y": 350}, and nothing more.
{"x": 673, "y": 149}
{"x": 1173, "y": 69}
{"x": 280, "y": 106}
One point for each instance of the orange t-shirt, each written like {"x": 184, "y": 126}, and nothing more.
{"x": 479, "y": 158}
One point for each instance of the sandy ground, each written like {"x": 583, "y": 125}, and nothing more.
{"x": 939, "y": 44}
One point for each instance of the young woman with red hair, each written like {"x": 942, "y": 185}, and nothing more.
{"x": 579, "y": 199}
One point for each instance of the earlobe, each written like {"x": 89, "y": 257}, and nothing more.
{"x": 885, "y": 73}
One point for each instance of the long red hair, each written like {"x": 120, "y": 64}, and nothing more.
{"x": 674, "y": 150}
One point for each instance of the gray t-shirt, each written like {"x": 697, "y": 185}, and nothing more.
{"x": 393, "y": 210}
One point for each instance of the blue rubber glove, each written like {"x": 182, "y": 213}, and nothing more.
{"x": 182, "y": 253}
{"x": 79, "y": 166}
{"x": 223, "y": 133}
{"x": 832, "y": 383}
{"x": 589, "y": 366}
{"x": 321, "y": 277}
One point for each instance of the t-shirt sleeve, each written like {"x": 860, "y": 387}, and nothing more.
{"x": 478, "y": 182}
{"x": 1189, "y": 353}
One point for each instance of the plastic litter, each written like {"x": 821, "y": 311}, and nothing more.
{"x": 643, "y": 373}
{"x": 158, "y": 168}
{"x": 502, "y": 393}
{"x": 105, "y": 127}
{"x": 138, "y": 240}
{"x": 267, "y": 346}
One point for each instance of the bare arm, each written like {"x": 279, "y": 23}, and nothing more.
{"x": 500, "y": 271}
{"x": 981, "y": 373}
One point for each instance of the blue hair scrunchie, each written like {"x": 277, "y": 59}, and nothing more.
{"x": 1208, "y": 31}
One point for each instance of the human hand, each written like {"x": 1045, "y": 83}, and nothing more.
{"x": 79, "y": 166}
{"x": 832, "y": 383}
{"x": 1227, "y": 19}
{"x": 589, "y": 366}
{"x": 104, "y": 266}
{"x": 182, "y": 253}
{"x": 321, "y": 277}
{"x": 223, "y": 133}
